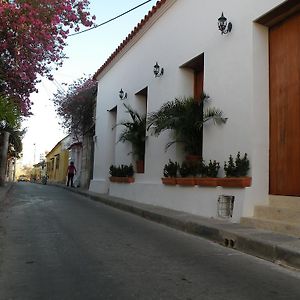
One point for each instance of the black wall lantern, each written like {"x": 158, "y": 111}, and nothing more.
{"x": 157, "y": 70}
{"x": 223, "y": 26}
{"x": 122, "y": 95}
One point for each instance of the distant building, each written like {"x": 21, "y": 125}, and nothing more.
{"x": 39, "y": 171}
{"x": 57, "y": 161}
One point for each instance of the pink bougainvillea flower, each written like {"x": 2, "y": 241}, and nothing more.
{"x": 32, "y": 38}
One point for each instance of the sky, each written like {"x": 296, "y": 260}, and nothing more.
{"x": 86, "y": 52}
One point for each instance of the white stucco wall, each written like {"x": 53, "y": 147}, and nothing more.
{"x": 236, "y": 78}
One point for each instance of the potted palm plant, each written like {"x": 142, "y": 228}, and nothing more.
{"x": 185, "y": 117}
{"x": 135, "y": 133}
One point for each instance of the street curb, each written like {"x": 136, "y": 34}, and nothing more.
{"x": 279, "y": 254}
{"x": 277, "y": 248}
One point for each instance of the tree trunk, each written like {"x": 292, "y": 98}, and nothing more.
{"x": 4, "y": 137}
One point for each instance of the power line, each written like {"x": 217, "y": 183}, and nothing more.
{"x": 110, "y": 20}
{"x": 58, "y": 85}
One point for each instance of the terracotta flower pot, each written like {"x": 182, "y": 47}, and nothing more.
{"x": 113, "y": 179}
{"x": 186, "y": 181}
{"x": 128, "y": 179}
{"x": 169, "y": 180}
{"x": 121, "y": 179}
{"x": 235, "y": 181}
{"x": 191, "y": 157}
{"x": 207, "y": 181}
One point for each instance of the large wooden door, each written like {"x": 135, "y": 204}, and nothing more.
{"x": 285, "y": 107}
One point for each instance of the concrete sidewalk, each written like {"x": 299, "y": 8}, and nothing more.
{"x": 274, "y": 247}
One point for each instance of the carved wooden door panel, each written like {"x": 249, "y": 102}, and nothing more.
{"x": 285, "y": 107}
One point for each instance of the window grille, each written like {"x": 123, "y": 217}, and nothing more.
{"x": 225, "y": 206}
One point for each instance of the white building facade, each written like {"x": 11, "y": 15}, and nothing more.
{"x": 183, "y": 37}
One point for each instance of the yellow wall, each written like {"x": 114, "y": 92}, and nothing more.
{"x": 57, "y": 163}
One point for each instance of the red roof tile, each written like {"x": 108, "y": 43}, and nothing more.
{"x": 136, "y": 29}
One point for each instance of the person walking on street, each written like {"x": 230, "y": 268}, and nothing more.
{"x": 71, "y": 173}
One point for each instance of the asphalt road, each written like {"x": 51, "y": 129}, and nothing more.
{"x": 55, "y": 244}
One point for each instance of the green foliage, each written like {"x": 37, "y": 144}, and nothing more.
{"x": 134, "y": 132}
{"x": 185, "y": 117}
{"x": 211, "y": 170}
{"x": 189, "y": 168}
{"x": 15, "y": 146}
{"x": 184, "y": 170}
{"x": 121, "y": 171}
{"x": 230, "y": 168}
{"x": 170, "y": 169}
{"x": 238, "y": 167}
{"x": 10, "y": 115}
{"x": 10, "y": 121}
{"x": 192, "y": 168}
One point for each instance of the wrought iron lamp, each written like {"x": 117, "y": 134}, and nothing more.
{"x": 122, "y": 95}
{"x": 157, "y": 70}
{"x": 224, "y": 27}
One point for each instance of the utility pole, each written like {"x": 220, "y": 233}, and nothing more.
{"x": 34, "y": 153}
{"x": 4, "y": 137}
